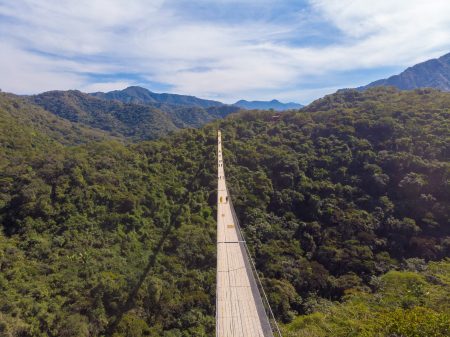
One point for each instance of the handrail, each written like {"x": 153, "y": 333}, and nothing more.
{"x": 268, "y": 322}
{"x": 254, "y": 270}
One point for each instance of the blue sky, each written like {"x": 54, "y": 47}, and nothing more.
{"x": 223, "y": 49}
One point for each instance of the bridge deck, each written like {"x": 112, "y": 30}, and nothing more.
{"x": 239, "y": 311}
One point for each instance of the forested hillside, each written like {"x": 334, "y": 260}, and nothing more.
{"x": 124, "y": 120}
{"x": 20, "y": 119}
{"x": 139, "y": 95}
{"x": 105, "y": 238}
{"x": 434, "y": 73}
{"x": 130, "y": 118}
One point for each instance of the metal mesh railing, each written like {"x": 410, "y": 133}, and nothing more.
{"x": 268, "y": 323}
{"x": 267, "y": 318}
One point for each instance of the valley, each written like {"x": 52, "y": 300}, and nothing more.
{"x": 340, "y": 203}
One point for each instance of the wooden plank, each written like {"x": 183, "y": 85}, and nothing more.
{"x": 237, "y": 314}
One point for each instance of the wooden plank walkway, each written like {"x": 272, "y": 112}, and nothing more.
{"x": 237, "y": 313}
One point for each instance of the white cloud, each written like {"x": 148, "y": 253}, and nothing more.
{"x": 24, "y": 72}
{"x": 389, "y": 32}
{"x": 207, "y": 58}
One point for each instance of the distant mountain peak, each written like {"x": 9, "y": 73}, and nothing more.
{"x": 266, "y": 105}
{"x": 140, "y": 95}
{"x": 434, "y": 73}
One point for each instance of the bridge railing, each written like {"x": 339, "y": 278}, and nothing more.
{"x": 270, "y": 326}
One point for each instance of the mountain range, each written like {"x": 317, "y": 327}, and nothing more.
{"x": 434, "y": 73}
{"x": 132, "y": 113}
{"x": 267, "y": 105}
{"x": 136, "y": 113}
{"x": 139, "y": 95}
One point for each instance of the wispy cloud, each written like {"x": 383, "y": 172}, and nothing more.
{"x": 277, "y": 49}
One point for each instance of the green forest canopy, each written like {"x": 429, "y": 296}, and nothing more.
{"x": 330, "y": 198}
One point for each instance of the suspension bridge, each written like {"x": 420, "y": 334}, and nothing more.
{"x": 242, "y": 309}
